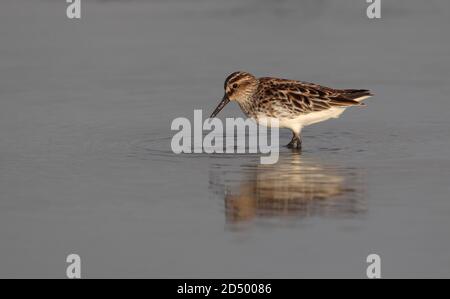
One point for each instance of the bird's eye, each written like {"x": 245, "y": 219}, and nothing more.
{"x": 235, "y": 85}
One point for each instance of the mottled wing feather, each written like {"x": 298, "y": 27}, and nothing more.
{"x": 304, "y": 97}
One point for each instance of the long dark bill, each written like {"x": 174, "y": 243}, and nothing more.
{"x": 222, "y": 104}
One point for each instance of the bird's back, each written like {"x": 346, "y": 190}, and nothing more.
{"x": 283, "y": 98}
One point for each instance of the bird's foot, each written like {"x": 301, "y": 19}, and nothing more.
{"x": 295, "y": 144}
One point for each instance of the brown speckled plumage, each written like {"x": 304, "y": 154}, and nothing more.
{"x": 287, "y": 100}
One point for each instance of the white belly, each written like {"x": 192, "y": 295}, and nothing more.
{"x": 296, "y": 124}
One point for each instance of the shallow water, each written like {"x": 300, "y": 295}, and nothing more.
{"x": 86, "y": 164}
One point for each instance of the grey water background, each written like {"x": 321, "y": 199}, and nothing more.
{"x": 86, "y": 165}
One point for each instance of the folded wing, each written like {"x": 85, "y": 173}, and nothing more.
{"x": 306, "y": 97}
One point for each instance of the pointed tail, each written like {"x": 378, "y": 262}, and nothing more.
{"x": 357, "y": 94}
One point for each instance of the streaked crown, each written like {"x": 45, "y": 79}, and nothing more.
{"x": 240, "y": 86}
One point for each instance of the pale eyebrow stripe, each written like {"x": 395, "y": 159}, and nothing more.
{"x": 236, "y": 78}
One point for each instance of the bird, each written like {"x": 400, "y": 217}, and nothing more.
{"x": 294, "y": 104}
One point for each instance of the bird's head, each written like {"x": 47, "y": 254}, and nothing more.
{"x": 239, "y": 87}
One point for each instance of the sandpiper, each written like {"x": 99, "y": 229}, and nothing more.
{"x": 294, "y": 104}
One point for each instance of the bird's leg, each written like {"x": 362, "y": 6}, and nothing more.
{"x": 296, "y": 141}
{"x": 293, "y": 143}
{"x": 299, "y": 141}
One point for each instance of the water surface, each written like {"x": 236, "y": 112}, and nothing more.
{"x": 86, "y": 165}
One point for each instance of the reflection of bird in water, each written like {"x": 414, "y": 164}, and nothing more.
{"x": 292, "y": 187}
